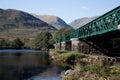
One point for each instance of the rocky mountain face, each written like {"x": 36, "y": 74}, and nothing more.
{"x": 54, "y": 21}
{"x": 15, "y": 23}
{"x": 82, "y": 21}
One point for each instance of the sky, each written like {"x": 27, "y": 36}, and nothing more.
{"x": 68, "y": 10}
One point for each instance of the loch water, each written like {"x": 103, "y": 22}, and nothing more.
{"x": 27, "y": 65}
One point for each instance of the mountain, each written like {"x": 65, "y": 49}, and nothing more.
{"x": 82, "y": 21}
{"x": 54, "y": 21}
{"x": 15, "y": 23}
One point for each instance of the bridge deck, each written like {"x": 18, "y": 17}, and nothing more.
{"x": 109, "y": 22}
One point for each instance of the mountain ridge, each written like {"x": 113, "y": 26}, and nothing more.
{"x": 16, "y": 18}
{"x": 81, "y": 21}
{"x": 15, "y": 23}
{"x": 53, "y": 20}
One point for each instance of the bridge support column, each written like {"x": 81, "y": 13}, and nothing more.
{"x": 66, "y": 46}
{"x": 81, "y": 46}
{"x": 63, "y": 45}
{"x": 57, "y": 46}
{"x": 75, "y": 44}
{"x": 86, "y": 48}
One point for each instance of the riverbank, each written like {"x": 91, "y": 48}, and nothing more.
{"x": 87, "y": 67}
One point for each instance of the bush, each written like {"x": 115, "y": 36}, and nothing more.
{"x": 17, "y": 43}
{"x": 70, "y": 56}
{"x": 61, "y": 51}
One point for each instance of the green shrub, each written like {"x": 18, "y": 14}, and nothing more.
{"x": 70, "y": 56}
{"x": 61, "y": 51}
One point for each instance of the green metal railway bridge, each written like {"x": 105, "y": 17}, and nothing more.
{"x": 100, "y": 36}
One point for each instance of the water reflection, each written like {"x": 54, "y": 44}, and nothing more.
{"x": 21, "y": 66}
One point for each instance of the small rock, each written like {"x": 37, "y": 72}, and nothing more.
{"x": 69, "y": 72}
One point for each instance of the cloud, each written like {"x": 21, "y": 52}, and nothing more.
{"x": 84, "y": 7}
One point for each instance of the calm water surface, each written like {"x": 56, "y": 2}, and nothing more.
{"x": 27, "y": 65}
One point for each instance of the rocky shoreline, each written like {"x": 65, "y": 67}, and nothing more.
{"x": 90, "y": 67}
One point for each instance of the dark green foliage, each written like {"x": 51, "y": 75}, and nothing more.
{"x": 3, "y": 43}
{"x": 42, "y": 41}
{"x": 17, "y": 43}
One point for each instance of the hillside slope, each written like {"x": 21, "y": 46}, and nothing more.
{"x": 54, "y": 21}
{"x": 15, "y": 23}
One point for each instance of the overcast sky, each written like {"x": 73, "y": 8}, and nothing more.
{"x": 68, "y": 10}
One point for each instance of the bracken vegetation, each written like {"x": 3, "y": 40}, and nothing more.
{"x": 96, "y": 71}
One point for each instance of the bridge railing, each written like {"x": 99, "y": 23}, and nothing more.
{"x": 103, "y": 24}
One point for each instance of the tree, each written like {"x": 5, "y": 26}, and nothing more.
{"x": 42, "y": 41}
{"x": 17, "y": 44}
{"x": 3, "y": 43}
{"x": 28, "y": 43}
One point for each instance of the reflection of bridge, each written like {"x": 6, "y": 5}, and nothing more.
{"x": 101, "y": 35}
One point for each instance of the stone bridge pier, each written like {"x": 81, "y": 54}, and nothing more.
{"x": 81, "y": 46}
{"x": 91, "y": 46}
{"x": 66, "y": 45}
{"x": 57, "y": 46}
{"x": 76, "y": 45}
